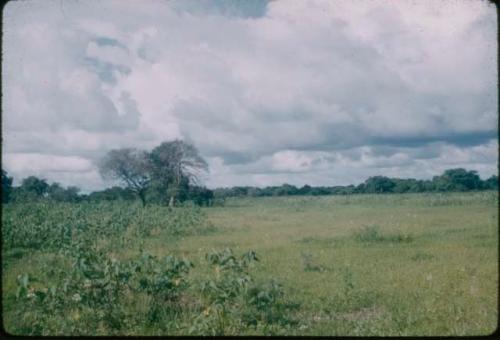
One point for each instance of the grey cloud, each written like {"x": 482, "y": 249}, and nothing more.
{"x": 460, "y": 139}
{"x": 318, "y": 92}
{"x": 354, "y": 165}
{"x": 233, "y": 158}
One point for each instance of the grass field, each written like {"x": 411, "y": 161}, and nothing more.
{"x": 402, "y": 264}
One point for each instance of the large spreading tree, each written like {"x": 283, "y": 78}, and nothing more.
{"x": 174, "y": 164}
{"x": 169, "y": 168}
{"x": 131, "y": 167}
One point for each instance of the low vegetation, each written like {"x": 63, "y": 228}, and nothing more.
{"x": 408, "y": 264}
{"x": 372, "y": 234}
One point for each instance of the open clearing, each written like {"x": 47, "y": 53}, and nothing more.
{"x": 401, "y": 264}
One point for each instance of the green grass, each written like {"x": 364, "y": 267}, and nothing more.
{"x": 407, "y": 264}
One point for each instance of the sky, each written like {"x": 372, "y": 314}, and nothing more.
{"x": 270, "y": 92}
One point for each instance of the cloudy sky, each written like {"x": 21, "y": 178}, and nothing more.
{"x": 300, "y": 92}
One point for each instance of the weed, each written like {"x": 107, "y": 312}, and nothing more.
{"x": 422, "y": 257}
{"x": 372, "y": 234}
{"x": 309, "y": 264}
{"x": 233, "y": 301}
{"x": 348, "y": 280}
{"x": 369, "y": 234}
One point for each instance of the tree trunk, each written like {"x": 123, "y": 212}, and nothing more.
{"x": 142, "y": 196}
{"x": 171, "y": 202}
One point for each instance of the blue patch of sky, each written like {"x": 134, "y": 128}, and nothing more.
{"x": 105, "y": 71}
{"x": 459, "y": 139}
{"x": 106, "y": 41}
{"x": 230, "y": 8}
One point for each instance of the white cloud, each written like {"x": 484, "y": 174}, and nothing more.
{"x": 66, "y": 170}
{"x": 289, "y": 89}
{"x": 40, "y": 162}
{"x": 354, "y": 165}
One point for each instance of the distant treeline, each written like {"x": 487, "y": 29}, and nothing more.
{"x": 33, "y": 188}
{"x": 450, "y": 180}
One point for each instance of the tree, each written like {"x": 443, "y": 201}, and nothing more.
{"x": 171, "y": 163}
{"x": 254, "y": 192}
{"x": 111, "y": 194}
{"x": 6, "y": 186}
{"x": 305, "y": 190}
{"x": 360, "y": 188}
{"x": 457, "y": 180}
{"x": 379, "y": 184}
{"x": 58, "y": 193}
{"x": 491, "y": 183}
{"x": 131, "y": 167}
{"x": 201, "y": 196}
{"x": 286, "y": 190}
{"x": 401, "y": 185}
{"x": 35, "y": 186}
{"x": 72, "y": 194}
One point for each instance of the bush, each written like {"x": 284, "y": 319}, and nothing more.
{"x": 96, "y": 292}
{"x": 369, "y": 234}
{"x": 103, "y": 295}
{"x": 233, "y": 302}
{"x": 372, "y": 234}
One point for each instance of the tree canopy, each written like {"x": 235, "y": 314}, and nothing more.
{"x": 166, "y": 171}
{"x": 131, "y": 167}
{"x": 142, "y": 176}
{"x": 176, "y": 163}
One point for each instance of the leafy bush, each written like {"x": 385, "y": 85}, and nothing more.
{"x": 101, "y": 295}
{"x": 88, "y": 291}
{"x": 233, "y": 302}
{"x": 267, "y": 304}
{"x": 372, "y": 234}
{"x": 97, "y": 292}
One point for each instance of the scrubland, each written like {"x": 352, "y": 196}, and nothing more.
{"x": 398, "y": 264}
